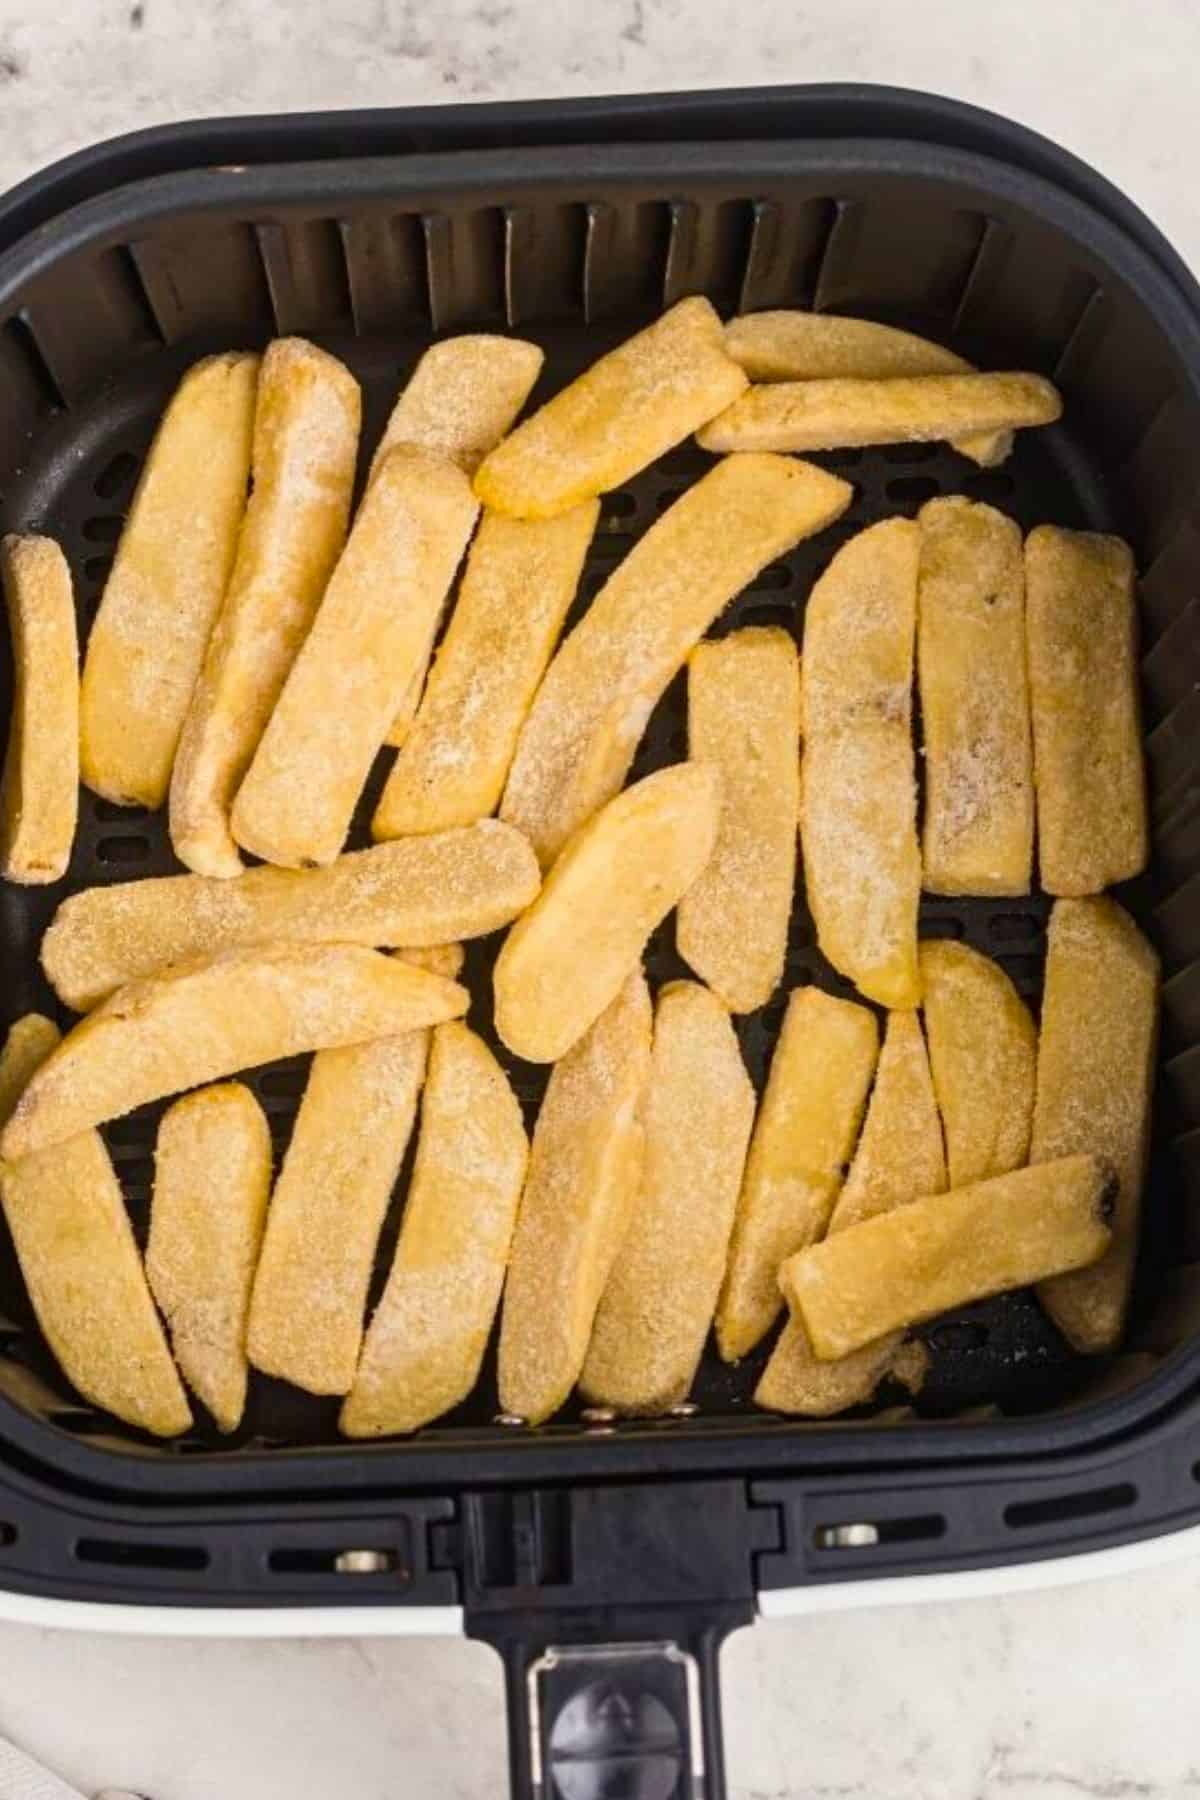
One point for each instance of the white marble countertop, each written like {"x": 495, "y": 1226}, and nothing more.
{"x": 1050, "y": 1696}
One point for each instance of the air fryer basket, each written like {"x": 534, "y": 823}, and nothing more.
{"x": 572, "y": 225}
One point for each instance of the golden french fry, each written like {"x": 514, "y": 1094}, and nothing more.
{"x": 423, "y": 891}
{"x": 425, "y": 1343}
{"x": 212, "y": 1175}
{"x": 460, "y": 401}
{"x": 949, "y": 1249}
{"x": 807, "y": 346}
{"x": 305, "y": 445}
{"x": 520, "y": 578}
{"x": 625, "y": 412}
{"x": 1095, "y": 1085}
{"x": 39, "y": 791}
{"x": 900, "y": 1155}
{"x": 381, "y": 607}
{"x": 983, "y": 1050}
{"x": 858, "y": 796}
{"x": 807, "y": 1126}
{"x": 208, "y": 1018}
{"x": 744, "y": 716}
{"x": 347, "y": 1145}
{"x": 909, "y": 409}
{"x": 462, "y": 398}
{"x": 655, "y": 1311}
{"x": 445, "y": 960}
{"x": 591, "y": 710}
{"x": 1081, "y": 621}
{"x": 80, "y": 1263}
{"x": 978, "y": 835}
{"x": 795, "y": 1381}
{"x": 565, "y": 959}
{"x": 584, "y": 1177}
{"x": 899, "y": 1158}
{"x": 167, "y": 582}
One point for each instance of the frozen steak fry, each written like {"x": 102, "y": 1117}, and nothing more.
{"x": 80, "y": 1263}
{"x": 520, "y": 578}
{"x": 655, "y": 1311}
{"x": 347, "y": 1145}
{"x": 908, "y": 409}
{"x": 462, "y": 398}
{"x": 426, "y": 1340}
{"x": 167, "y": 582}
{"x": 205, "y": 1019}
{"x": 566, "y": 958}
{"x": 946, "y": 1250}
{"x": 591, "y": 710}
{"x": 858, "y": 795}
{"x": 379, "y": 611}
{"x": 622, "y": 414}
{"x": 212, "y": 1175}
{"x": 983, "y": 1049}
{"x": 39, "y": 792}
{"x": 744, "y": 717}
{"x": 423, "y": 891}
{"x": 585, "y": 1166}
{"x": 1095, "y": 1085}
{"x": 1081, "y": 620}
{"x": 808, "y": 346}
{"x": 806, "y": 1129}
{"x": 978, "y": 833}
{"x": 460, "y": 401}
{"x": 305, "y": 446}
{"x": 899, "y": 1158}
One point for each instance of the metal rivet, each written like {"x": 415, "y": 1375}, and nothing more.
{"x": 846, "y": 1537}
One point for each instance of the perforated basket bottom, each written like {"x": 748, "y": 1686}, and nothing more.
{"x": 77, "y": 486}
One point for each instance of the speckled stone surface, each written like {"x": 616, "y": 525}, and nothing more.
{"x": 1073, "y": 1694}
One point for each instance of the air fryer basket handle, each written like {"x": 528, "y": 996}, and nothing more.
{"x": 641, "y": 1718}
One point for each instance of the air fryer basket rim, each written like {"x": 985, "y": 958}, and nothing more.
{"x": 763, "y": 1444}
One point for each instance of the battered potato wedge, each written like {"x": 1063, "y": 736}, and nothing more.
{"x": 656, "y": 1309}
{"x": 39, "y": 792}
{"x": 379, "y": 612}
{"x": 947, "y": 1250}
{"x": 625, "y": 412}
{"x": 445, "y": 960}
{"x": 1095, "y": 1084}
{"x": 591, "y": 710}
{"x": 424, "y": 891}
{"x": 347, "y": 1145}
{"x": 462, "y": 398}
{"x": 519, "y": 581}
{"x": 306, "y": 424}
{"x": 80, "y": 1263}
{"x": 208, "y": 1018}
{"x": 899, "y": 1158}
{"x": 807, "y": 1126}
{"x": 168, "y": 579}
{"x": 983, "y": 1052}
{"x": 909, "y": 409}
{"x": 1081, "y": 621}
{"x": 807, "y": 346}
{"x": 585, "y": 1167}
{"x": 425, "y": 1343}
{"x": 744, "y": 717}
{"x": 978, "y": 833}
{"x": 858, "y": 795}
{"x": 212, "y": 1176}
{"x": 565, "y": 959}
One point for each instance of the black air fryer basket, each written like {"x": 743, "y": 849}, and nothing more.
{"x": 605, "y": 1559}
